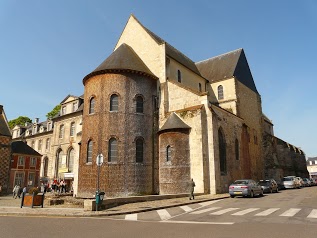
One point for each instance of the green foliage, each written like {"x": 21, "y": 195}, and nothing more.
{"x": 54, "y": 112}
{"x": 21, "y": 120}
{"x": 33, "y": 190}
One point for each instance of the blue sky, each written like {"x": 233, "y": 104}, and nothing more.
{"x": 47, "y": 47}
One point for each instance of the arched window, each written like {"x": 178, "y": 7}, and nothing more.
{"x": 92, "y": 105}
{"x": 199, "y": 87}
{"x": 89, "y": 151}
{"x": 71, "y": 156}
{"x": 139, "y": 150}
{"x": 72, "y": 129}
{"x": 112, "y": 150}
{"x": 179, "y": 76}
{"x": 237, "y": 149}
{"x": 114, "y": 103}
{"x": 139, "y": 104}
{"x": 222, "y": 152}
{"x": 220, "y": 92}
{"x": 58, "y": 164}
{"x": 45, "y": 166}
{"x": 168, "y": 153}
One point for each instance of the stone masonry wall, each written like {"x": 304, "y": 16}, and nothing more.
{"x": 5, "y": 158}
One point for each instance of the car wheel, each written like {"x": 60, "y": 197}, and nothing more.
{"x": 232, "y": 196}
{"x": 251, "y": 194}
{"x": 262, "y": 193}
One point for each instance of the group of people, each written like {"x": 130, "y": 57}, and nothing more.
{"x": 17, "y": 191}
{"x": 59, "y": 186}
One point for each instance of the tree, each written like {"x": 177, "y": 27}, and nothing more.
{"x": 54, "y": 112}
{"x": 21, "y": 120}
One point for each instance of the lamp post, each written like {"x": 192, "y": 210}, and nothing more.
{"x": 99, "y": 162}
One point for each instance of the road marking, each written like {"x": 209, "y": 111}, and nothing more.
{"x": 203, "y": 204}
{"x": 290, "y": 212}
{"x": 205, "y": 210}
{"x": 267, "y": 212}
{"x": 164, "y": 215}
{"x": 246, "y": 211}
{"x": 223, "y": 211}
{"x": 313, "y": 214}
{"x": 132, "y": 217}
{"x": 186, "y": 208}
{"x": 197, "y": 222}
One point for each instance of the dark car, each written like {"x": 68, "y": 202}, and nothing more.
{"x": 245, "y": 187}
{"x": 269, "y": 185}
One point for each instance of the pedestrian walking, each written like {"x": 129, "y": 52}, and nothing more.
{"x": 15, "y": 191}
{"x": 192, "y": 188}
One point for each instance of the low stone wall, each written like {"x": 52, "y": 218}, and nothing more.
{"x": 90, "y": 205}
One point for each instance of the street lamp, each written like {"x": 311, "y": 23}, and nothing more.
{"x": 99, "y": 196}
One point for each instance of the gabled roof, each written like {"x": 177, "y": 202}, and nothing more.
{"x": 4, "y": 127}
{"x": 225, "y": 66}
{"x": 311, "y": 159}
{"x": 123, "y": 58}
{"x": 19, "y": 147}
{"x": 174, "y": 122}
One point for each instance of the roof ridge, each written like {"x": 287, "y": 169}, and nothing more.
{"x": 221, "y": 55}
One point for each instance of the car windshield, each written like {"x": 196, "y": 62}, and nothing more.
{"x": 241, "y": 182}
{"x": 264, "y": 182}
{"x": 287, "y": 179}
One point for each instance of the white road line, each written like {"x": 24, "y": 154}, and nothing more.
{"x": 205, "y": 210}
{"x": 313, "y": 214}
{"x": 223, "y": 211}
{"x": 267, "y": 212}
{"x": 186, "y": 208}
{"x": 132, "y": 217}
{"x": 290, "y": 212}
{"x": 203, "y": 204}
{"x": 246, "y": 211}
{"x": 198, "y": 222}
{"x": 164, "y": 215}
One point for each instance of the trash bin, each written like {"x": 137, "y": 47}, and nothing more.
{"x": 99, "y": 198}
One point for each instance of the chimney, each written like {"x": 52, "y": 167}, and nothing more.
{"x": 36, "y": 120}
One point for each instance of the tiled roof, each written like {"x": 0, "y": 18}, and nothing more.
{"x": 19, "y": 147}
{"x": 174, "y": 122}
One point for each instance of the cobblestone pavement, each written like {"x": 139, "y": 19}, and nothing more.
{"x": 10, "y": 206}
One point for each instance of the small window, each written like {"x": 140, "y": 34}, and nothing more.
{"x": 31, "y": 179}
{"x": 139, "y": 104}
{"x": 112, "y": 150}
{"x": 74, "y": 106}
{"x": 39, "y": 145}
{"x": 33, "y": 162}
{"x": 21, "y": 161}
{"x": 71, "y": 156}
{"x": 92, "y": 105}
{"x": 89, "y": 151}
{"x": 199, "y": 87}
{"x": 168, "y": 153}
{"x": 64, "y": 110}
{"x": 47, "y": 146}
{"x": 61, "y": 131}
{"x": 220, "y": 92}
{"x": 237, "y": 149}
{"x": 139, "y": 150}
{"x": 114, "y": 103}
{"x": 72, "y": 129}
{"x": 179, "y": 76}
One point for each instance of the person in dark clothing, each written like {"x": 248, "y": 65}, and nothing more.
{"x": 192, "y": 188}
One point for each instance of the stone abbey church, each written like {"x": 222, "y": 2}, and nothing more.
{"x": 160, "y": 119}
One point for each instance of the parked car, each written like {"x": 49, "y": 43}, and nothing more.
{"x": 245, "y": 187}
{"x": 313, "y": 182}
{"x": 307, "y": 182}
{"x": 291, "y": 182}
{"x": 269, "y": 185}
{"x": 301, "y": 182}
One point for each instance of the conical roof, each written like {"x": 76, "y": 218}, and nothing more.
{"x": 123, "y": 58}
{"x": 174, "y": 122}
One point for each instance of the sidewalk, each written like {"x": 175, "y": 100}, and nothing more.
{"x": 11, "y": 207}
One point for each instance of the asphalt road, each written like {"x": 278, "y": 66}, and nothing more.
{"x": 290, "y": 213}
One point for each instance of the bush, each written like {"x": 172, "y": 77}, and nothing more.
{"x": 33, "y": 190}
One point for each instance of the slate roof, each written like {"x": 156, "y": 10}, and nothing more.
{"x": 123, "y": 58}
{"x": 311, "y": 159}
{"x": 4, "y": 127}
{"x": 19, "y": 147}
{"x": 174, "y": 122}
{"x": 225, "y": 66}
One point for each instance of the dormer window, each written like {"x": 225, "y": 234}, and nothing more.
{"x": 74, "y": 106}
{"x": 220, "y": 92}
{"x": 63, "y": 110}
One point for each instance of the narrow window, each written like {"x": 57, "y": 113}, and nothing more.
{"x": 92, "y": 105}
{"x": 237, "y": 149}
{"x": 199, "y": 87}
{"x": 40, "y": 145}
{"x": 179, "y": 76}
{"x": 21, "y": 161}
{"x": 89, "y": 151}
{"x": 168, "y": 153}
{"x": 139, "y": 104}
{"x": 64, "y": 110}
{"x": 71, "y": 156}
{"x": 61, "y": 131}
{"x": 114, "y": 103}
{"x": 31, "y": 179}
{"x": 47, "y": 146}
{"x": 222, "y": 152}
{"x": 139, "y": 150}
{"x": 33, "y": 162}
{"x": 45, "y": 166}
{"x": 220, "y": 92}
{"x": 19, "y": 179}
{"x": 72, "y": 129}
{"x": 74, "y": 106}
{"x": 112, "y": 150}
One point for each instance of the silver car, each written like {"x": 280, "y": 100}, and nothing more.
{"x": 291, "y": 182}
{"x": 245, "y": 187}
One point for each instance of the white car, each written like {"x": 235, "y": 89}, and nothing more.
{"x": 291, "y": 182}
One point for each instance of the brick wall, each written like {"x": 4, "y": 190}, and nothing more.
{"x": 5, "y": 158}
